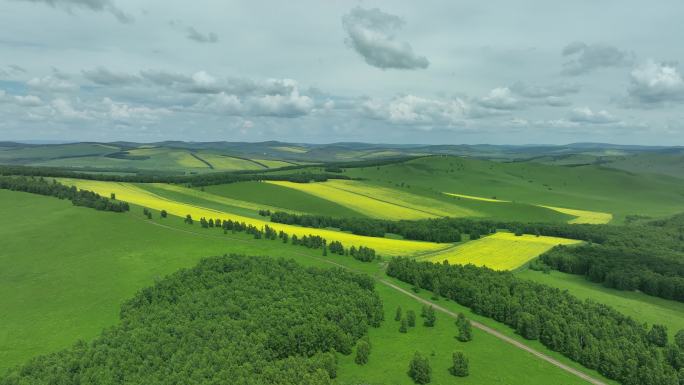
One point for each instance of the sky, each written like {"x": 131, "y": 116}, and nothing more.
{"x": 432, "y": 72}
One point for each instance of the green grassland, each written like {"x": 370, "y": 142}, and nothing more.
{"x": 65, "y": 270}
{"x": 592, "y": 188}
{"x": 637, "y": 305}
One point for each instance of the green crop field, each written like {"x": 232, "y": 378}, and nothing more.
{"x": 268, "y": 194}
{"x": 69, "y": 285}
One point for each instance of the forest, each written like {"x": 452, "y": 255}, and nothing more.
{"x": 231, "y": 319}
{"x": 648, "y": 258}
{"x": 590, "y": 333}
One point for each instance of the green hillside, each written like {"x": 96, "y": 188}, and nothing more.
{"x": 586, "y": 188}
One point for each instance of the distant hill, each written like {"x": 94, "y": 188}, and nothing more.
{"x": 198, "y": 157}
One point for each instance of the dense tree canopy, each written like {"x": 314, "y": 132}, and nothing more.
{"x": 230, "y": 320}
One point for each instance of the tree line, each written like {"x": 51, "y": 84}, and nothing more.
{"x": 432, "y": 230}
{"x": 590, "y": 333}
{"x": 311, "y": 241}
{"x": 231, "y": 319}
{"x": 188, "y": 180}
{"x": 78, "y": 197}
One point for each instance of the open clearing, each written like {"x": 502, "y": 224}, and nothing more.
{"x": 500, "y": 251}
{"x": 378, "y": 202}
{"x": 130, "y": 193}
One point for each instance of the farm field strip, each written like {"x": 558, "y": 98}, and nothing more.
{"x": 581, "y": 216}
{"x": 584, "y": 216}
{"x": 371, "y": 207}
{"x": 500, "y": 251}
{"x": 402, "y": 198}
{"x": 377, "y": 202}
{"x": 476, "y": 198}
{"x": 136, "y": 195}
{"x": 216, "y": 198}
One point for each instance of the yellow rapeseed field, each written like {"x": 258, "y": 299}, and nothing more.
{"x": 583, "y": 216}
{"x": 133, "y": 194}
{"x": 378, "y": 202}
{"x": 221, "y": 162}
{"x": 500, "y": 251}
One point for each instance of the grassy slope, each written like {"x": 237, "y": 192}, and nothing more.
{"x": 666, "y": 164}
{"x": 69, "y": 286}
{"x": 273, "y": 195}
{"x": 587, "y": 187}
{"x": 640, "y": 306}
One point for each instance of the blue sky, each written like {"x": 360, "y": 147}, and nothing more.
{"x": 309, "y": 71}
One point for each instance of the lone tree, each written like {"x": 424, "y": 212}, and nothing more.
{"x": 362, "y": 352}
{"x": 112, "y": 195}
{"x": 679, "y": 339}
{"x": 465, "y": 329}
{"x": 658, "y": 335}
{"x": 430, "y": 317}
{"x": 460, "y": 365}
{"x": 397, "y": 315}
{"x": 419, "y": 369}
{"x": 411, "y": 318}
{"x": 163, "y": 213}
{"x": 404, "y": 326}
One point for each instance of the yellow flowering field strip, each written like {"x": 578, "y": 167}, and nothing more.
{"x": 583, "y": 216}
{"x": 500, "y": 251}
{"x": 378, "y": 202}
